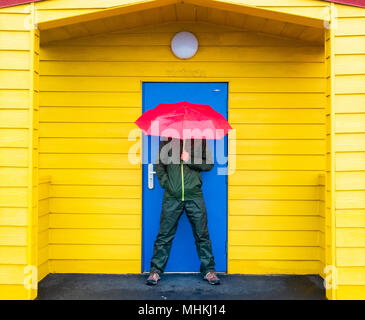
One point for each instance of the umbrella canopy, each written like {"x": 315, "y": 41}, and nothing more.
{"x": 184, "y": 120}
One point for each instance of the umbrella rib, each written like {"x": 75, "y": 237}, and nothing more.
{"x": 183, "y": 123}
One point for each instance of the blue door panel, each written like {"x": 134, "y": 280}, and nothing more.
{"x": 183, "y": 256}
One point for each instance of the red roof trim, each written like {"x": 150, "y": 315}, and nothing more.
{"x": 356, "y": 3}
{"x": 9, "y": 3}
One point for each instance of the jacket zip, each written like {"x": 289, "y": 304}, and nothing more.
{"x": 182, "y": 181}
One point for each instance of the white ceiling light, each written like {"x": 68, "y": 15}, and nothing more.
{"x": 184, "y": 45}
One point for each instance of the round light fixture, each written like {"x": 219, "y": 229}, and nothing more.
{"x": 184, "y": 45}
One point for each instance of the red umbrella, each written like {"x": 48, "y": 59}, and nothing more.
{"x": 184, "y": 120}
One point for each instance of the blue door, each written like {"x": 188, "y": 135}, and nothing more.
{"x": 183, "y": 256}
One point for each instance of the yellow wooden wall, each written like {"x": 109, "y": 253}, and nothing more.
{"x": 43, "y": 226}
{"x": 90, "y": 96}
{"x": 18, "y": 98}
{"x": 328, "y": 210}
{"x": 349, "y": 147}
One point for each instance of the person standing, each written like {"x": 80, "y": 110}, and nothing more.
{"x": 179, "y": 173}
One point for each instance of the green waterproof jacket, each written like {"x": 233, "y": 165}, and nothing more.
{"x": 182, "y": 180}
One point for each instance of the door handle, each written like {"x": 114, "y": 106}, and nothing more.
{"x": 150, "y": 176}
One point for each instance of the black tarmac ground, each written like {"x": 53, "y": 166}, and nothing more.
{"x": 180, "y": 287}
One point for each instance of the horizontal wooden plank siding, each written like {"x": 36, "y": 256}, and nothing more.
{"x": 43, "y": 226}
{"x": 15, "y": 133}
{"x": 327, "y": 206}
{"x": 90, "y": 96}
{"x": 350, "y": 150}
{"x": 280, "y": 214}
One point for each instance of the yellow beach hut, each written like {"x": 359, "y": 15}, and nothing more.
{"x": 71, "y": 85}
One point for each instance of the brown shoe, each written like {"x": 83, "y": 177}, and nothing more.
{"x": 152, "y": 278}
{"x": 212, "y": 278}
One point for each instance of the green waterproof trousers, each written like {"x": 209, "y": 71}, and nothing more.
{"x": 172, "y": 210}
